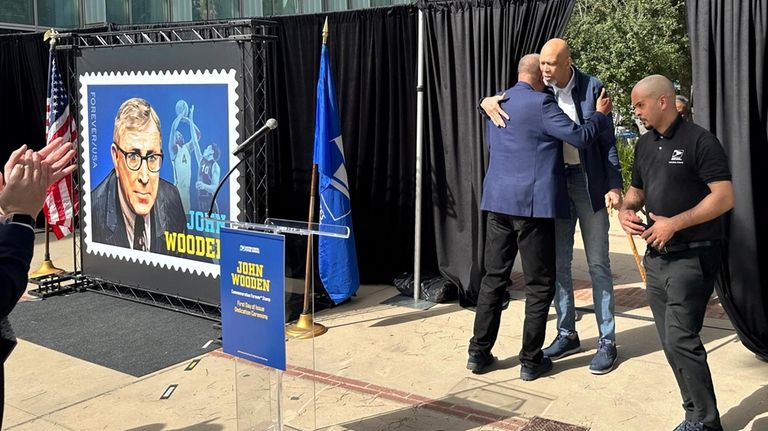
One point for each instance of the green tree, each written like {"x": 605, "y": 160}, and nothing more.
{"x": 622, "y": 41}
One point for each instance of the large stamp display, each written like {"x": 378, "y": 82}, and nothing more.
{"x": 154, "y": 147}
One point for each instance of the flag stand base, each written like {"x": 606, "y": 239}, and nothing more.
{"x": 46, "y": 268}
{"x": 408, "y": 301}
{"x": 305, "y": 328}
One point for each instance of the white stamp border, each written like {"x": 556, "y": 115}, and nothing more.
{"x": 227, "y": 77}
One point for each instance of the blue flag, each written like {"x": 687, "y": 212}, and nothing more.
{"x": 337, "y": 258}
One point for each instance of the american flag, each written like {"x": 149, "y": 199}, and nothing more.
{"x": 61, "y": 199}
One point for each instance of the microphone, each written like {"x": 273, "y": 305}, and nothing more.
{"x": 266, "y": 128}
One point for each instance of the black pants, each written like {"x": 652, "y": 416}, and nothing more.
{"x": 679, "y": 287}
{"x": 535, "y": 238}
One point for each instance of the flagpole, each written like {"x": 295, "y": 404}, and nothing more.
{"x": 419, "y": 156}
{"x": 47, "y": 267}
{"x": 305, "y": 327}
{"x": 308, "y": 272}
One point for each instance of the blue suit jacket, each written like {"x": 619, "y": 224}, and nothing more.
{"x": 108, "y": 226}
{"x": 525, "y": 173}
{"x": 600, "y": 162}
{"x": 16, "y": 244}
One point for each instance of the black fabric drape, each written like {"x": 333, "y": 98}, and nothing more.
{"x": 472, "y": 50}
{"x": 728, "y": 46}
{"x": 373, "y": 61}
{"x": 23, "y": 82}
{"x": 23, "y": 87}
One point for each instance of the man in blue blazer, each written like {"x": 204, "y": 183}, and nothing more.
{"x": 23, "y": 184}
{"x": 593, "y": 178}
{"x": 523, "y": 192}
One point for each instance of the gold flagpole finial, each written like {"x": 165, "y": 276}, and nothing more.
{"x": 325, "y": 31}
{"x": 51, "y": 36}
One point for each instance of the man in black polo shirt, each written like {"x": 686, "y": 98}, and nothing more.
{"x": 681, "y": 176}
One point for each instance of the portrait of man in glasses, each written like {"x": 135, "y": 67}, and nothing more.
{"x": 133, "y": 207}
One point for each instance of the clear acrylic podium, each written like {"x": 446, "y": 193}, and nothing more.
{"x": 269, "y": 399}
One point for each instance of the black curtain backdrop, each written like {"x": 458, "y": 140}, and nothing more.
{"x": 23, "y": 86}
{"x": 728, "y": 46}
{"x": 23, "y": 81}
{"x": 472, "y": 50}
{"x": 373, "y": 61}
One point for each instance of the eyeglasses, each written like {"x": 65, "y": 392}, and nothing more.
{"x": 134, "y": 158}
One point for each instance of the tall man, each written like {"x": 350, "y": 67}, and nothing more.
{"x": 523, "y": 191}
{"x": 133, "y": 207}
{"x": 681, "y": 175}
{"x": 593, "y": 176}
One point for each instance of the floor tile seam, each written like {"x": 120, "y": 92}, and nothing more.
{"x": 84, "y": 400}
{"x": 402, "y": 397}
{"x": 411, "y": 399}
{"x": 37, "y": 418}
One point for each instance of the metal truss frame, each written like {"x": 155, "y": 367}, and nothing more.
{"x": 163, "y": 300}
{"x": 244, "y": 29}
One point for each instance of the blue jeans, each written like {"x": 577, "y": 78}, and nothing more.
{"x": 594, "y": 232}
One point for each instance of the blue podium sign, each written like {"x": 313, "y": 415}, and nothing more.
{"x": 253, "y": 296}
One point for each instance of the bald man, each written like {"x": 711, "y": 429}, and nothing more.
{"x": 593, "y": 177}
{"x": 522, "y": 194}
{"x": 681, "y": 175}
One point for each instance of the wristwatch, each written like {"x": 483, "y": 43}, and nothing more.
{"x": 22, "y": 219}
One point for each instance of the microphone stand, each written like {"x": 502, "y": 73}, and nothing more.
{"x": 221, "y": 183}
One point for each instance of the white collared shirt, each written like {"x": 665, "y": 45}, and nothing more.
{"x": 564, "y": 98}
{"x": 130, "y": 221}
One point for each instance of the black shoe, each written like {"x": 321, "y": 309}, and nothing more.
{"x": 478, "y": 364}
{"x": 532, "y": 373}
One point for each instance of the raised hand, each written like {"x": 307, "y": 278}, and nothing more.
{"x": 25, "y": 185}
{"x": 604, "y": 103}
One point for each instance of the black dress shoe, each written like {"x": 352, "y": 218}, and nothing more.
{"x": 478, "y": 364}
{"x": 532, "y": 373}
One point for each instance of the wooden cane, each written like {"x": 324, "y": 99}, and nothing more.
{"x": 640, "y": 266}
{"x": 639, "y": 263}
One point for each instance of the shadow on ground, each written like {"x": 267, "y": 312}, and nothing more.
{"x": 737, "y": 417}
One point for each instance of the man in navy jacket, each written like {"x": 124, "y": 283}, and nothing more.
{"x": 593, "y": 177}
{"x": 523, "y": 192}
{"x": 23, "y": 184}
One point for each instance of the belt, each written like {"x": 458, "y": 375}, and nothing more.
{"x": 570, "y": 166}
{"x": 676, "y": 248}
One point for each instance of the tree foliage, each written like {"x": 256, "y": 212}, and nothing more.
{"x": 622, "y": 41}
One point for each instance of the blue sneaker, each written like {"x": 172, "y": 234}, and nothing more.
{"x": 532, "y": 373}
{"x": 698, "y": 426}
{"x": 605, "y": 359}
{"x": 563, "y": 346}
{"x": 687, "y": 425}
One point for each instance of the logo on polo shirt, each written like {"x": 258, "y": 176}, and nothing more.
{"x": 677, "y": 157}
